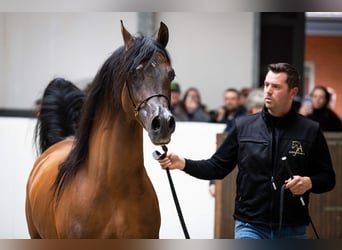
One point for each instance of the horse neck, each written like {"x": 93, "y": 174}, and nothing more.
{"x": 116, "y": 149}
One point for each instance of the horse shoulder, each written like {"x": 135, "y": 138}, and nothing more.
{"x": 45, "y": 169}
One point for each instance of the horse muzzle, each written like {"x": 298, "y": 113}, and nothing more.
{"x": 160, "y": 127}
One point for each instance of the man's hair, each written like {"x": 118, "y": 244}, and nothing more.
{"x": 232, "y": 90}
{"x": 293, "y": 77}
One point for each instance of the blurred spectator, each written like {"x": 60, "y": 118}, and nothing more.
{"x": 320, "y": 111}
{"x": 191, "y": 108}
{"x": 244, "y": 93}
{"x": 175, "y": 97}
{"x": 231, "y": 108}
{"x": 255, "y": 101}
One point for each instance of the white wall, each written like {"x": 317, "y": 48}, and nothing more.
{"x": 2, "y": 51}
{"x": 17, "y": 157}
{"x": 192, "y": 140}
{"x": 41, "y": 46}
{"x": 211, "y": 51}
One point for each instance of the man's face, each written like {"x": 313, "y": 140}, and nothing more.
{"x": 231, "y": 100}
{"x": 277, "y": 95}
{"x": 175, "y": 97}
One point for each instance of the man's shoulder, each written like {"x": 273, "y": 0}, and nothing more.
{"x": 306, "y": 121}
{"x": 248, "y": 118}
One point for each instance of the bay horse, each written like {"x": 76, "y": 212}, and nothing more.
{"x": 95, "y": 185}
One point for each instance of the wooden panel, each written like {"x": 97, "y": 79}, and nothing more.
{"x": 325, "y": 209}
{"x": 224, "y": 202}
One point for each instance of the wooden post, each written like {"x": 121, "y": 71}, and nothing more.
{"x": 224, "y": 202}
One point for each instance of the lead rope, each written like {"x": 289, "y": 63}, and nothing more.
{"x": 306, "y": 208}
{"x": 281, "y": 212}
{"x": 159, "y": 156}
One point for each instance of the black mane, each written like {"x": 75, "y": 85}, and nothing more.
{"x": 105, "y": 92}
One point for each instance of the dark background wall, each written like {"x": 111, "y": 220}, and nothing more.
{"x": 282, "y": 37}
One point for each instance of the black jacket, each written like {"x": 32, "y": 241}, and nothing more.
{"x": 256, "y": 144}
{"x": 327, "y": 119}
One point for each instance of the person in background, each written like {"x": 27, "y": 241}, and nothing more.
{"x": 175, "y": 101}
{"x": 191, "y": 108}
{"x": 320, "y": 111}
{"x": 254, "y": 104}
{"x": 175, "y": 95}
{"x": 244, "y": 93}
{"x": 231, "y": 108}
{"x": 267, "y": 147}
{"x": 254, "y": 101}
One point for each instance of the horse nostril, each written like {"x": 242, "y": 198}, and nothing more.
{"x": 167, "y": 124}
{"x": 156, "y": 123}
{"x": 171, "y": 123}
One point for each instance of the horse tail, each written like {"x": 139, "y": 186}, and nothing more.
{"x": 58, "y": 114}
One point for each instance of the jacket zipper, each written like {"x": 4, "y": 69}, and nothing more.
{"x": 273, "y": 156}
{"x": 273, "y": 184}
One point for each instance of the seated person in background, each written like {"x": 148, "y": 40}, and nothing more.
{"x": 230, "y": 109}
{"x": 320, "y": 111}
{"x": 244, "y": 93}
{"x": 191, "y": 108}
{"x": 255, "y": 101}
{"x": 175, "y": 99}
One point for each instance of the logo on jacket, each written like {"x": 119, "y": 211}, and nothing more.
{"x": 296, "y": 148}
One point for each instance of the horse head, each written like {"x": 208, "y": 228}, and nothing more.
{"x": 148, "y": 84}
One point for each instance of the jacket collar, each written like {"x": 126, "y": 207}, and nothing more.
{"x": 279, "y": 122}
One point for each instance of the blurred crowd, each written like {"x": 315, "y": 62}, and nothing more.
{"x": 235, "y": 103}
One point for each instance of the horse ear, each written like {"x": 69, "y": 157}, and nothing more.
{"x": 163, "y": 35}
{"x": 127, "y": 37}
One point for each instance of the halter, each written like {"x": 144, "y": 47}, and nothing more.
{"x": 138, "y": 107}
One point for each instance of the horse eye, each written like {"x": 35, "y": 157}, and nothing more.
{"x": 134, "y": 72}
{"x": 171, "y": 74}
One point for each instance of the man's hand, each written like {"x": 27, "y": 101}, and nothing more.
{"x": 298, "y": 185}
{"x": 172, "y": 161}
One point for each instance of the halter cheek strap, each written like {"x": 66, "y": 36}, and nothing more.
{"x": 138, "y": 107}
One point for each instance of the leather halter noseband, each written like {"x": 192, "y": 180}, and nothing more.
{"x": 138, "y": 107}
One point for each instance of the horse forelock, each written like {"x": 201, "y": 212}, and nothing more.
{"x": 104, "y": 93}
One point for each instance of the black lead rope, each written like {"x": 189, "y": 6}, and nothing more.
{"x": 289, "y": 171}
{"x": 159, "y": 156}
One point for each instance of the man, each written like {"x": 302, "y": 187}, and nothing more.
{"x": 262, "y": 145}
{"x": 175, "y": 95}
{"x": 231, "y": 108}
{"x": 176, "y": 102}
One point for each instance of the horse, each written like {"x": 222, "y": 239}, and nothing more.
{"x": 94, "y": 184}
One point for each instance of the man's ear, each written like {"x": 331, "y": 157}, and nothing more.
{"x": 294, "y": 92}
